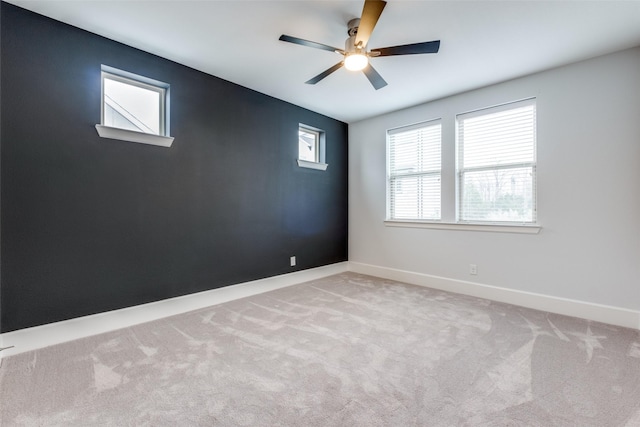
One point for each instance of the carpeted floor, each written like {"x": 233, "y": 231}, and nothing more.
{"x": 347, "y": 350}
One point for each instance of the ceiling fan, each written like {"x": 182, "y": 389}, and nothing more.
{"x": 355, "y": 54}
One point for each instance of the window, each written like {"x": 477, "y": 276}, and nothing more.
{"x": 128, "y": 104}
{"x": 414, "y": 172}
{"x": 484, "y": 179}
{"x": 308, "y": 145}
{"x": 311, "y": 147}
{"x": 134, "y": 108}
{"x": 496, "y": 173}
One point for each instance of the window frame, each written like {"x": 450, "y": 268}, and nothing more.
{"x": 162, "y": 138}
{"x": 320, "y": 142}
{"x": 431, "y": 172}
{"x": 449, "y": 182}
{"x": 460, "y": 170}
{"x": 316, "y": 143}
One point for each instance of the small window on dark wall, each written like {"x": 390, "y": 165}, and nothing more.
{"x": 129, "y": 104}
{"x": 311, "y": 148}
{"x": 134, "y": 108}
{"x": 308, "y": 141}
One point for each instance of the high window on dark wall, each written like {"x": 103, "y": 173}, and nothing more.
{"x": 130, "y": 104}
{"x": 134, "y": 108}
{"x": 308, "y": 144}
{"x": 311, "y": 147}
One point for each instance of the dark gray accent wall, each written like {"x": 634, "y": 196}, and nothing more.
{"x": 91, "y": 224}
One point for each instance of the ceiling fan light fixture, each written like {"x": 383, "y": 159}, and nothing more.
{"x": 355, "y": 55}
{"x": 356, "y": 61}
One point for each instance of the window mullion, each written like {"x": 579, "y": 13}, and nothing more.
{"x": 498, "y": 167}
{"x": 430, "y": 172}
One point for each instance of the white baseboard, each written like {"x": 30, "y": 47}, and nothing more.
{"x": 55, "y": 333}
{"x": 2, "y": 349}
{"x": 585, "y": 310}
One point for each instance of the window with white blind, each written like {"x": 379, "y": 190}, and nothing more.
{"x": 414, "y": 172}
{"x": 496, "y": 169}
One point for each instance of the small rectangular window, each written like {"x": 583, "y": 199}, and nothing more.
{"x": 134, "y": 103}
{"x": 496, "y": 177}
{"x": 308, "y": 145}
{"x": 311, "y": 148}
{"x": 414, "y": 172}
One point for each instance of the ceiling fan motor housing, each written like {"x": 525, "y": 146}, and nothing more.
{"x": 350, "y": 46}
{"x": 350, "y": 43}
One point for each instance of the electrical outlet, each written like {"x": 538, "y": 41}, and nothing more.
{"x": 292, "y": 261}
{"x": 473, "y": 269}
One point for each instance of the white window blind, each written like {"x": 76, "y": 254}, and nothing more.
{"x": 497, "y": 164}
{"x": 414, "y": 169}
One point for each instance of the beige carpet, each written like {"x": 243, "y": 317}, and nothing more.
{"x": 347, "y": 350}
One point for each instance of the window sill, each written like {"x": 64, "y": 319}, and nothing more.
{"x": 496, "y": 228}
{"x": 312, "y": 165}
{"x": 133, "y": 136}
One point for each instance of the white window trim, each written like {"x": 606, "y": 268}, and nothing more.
{"x": 460, "y": 226}
{"x": 110, "y": 132}
{"x": 133, "y": 136}
{"x": 321, "y": 153}
{"x": 312, "y": 165}
{"x": 449, "y": 221}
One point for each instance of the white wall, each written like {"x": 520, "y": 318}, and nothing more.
{"x": 588, "y": 190}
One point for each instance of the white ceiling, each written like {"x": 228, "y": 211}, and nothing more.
{"x": 482, "y": 42}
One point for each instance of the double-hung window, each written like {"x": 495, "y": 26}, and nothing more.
{"x": 414, "y": 172}
{"x": 496, "y": 164}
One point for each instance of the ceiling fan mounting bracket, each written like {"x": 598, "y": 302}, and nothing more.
{"x": 352, "y": 27}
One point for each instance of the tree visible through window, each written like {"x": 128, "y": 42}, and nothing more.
{"x": 497, "y": 164}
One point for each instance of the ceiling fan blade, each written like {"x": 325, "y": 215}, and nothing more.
{"x": 408, "y": 49}
{"x": 308, "y": 43}
{"x": 324, "y": 74}
{"x": 370, "y": 14}
{"x": 376, "y": 79}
